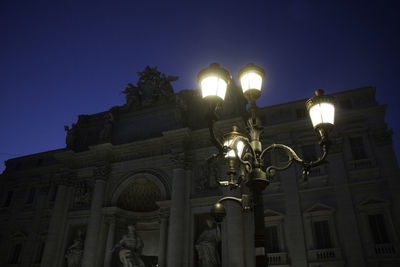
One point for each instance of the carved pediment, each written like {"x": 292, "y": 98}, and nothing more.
{"x": 272, "y": 215}
{"x": 319, "y": 209}
{"x": 373, "y": 203}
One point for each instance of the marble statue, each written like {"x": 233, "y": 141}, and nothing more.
{"x": 130, "y": 248}
{"x": 74, "y": 252}
{"x": 70, "y": 140}
{"x": 106, "y": 132}
{"x": 207, "y": 246}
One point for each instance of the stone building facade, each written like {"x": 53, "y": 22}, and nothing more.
{"x": 144, "y": 164}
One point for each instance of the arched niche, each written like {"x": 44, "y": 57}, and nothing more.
{"x": 140, "y": 190}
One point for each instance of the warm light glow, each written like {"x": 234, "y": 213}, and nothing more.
{"x": 251, "y": 80}
{"x": 213, "y": 86}
{"x": 322, "y": 113}
{"x": 239, "y": 147}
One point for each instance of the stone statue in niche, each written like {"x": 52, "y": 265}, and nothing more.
{"x": 106, "y": 132}
{"x": 74, "y": 252}
{"x": 70, "y": 140}
{"x": 130, "y": 248}
{"x": 207, "y": 245}
{"x": 151, "y": 87}
{"x": 82, "y": 195}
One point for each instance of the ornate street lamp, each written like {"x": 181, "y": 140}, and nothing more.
{"x": 244, "y": 152}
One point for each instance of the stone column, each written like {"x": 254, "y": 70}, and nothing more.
{"x": 110, "y": 241}
{"x": 58, "y": 218}
{"x": 233, "y": 237}
{"x": 100, "y": 176}
{"x": 176, "y": 235}
{"x": 162, "y": 248}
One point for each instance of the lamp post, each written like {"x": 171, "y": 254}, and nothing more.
{"x": 244, "y": 152}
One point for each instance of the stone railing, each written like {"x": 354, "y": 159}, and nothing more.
{"x": 317, "y": 171}
{"x": 361, "y": 164}
{"x": 326, "y": 254}
{"x": 384, "y": 250}
{"x": 277, "y": 258}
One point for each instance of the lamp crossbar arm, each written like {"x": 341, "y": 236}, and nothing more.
{"x": 213, "y": 138}
{"x": 244, "y": 201}
{"x": 293, "y": 157}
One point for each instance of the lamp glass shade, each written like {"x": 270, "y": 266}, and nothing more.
{"x": 322, "y": 113}
{"x": 239, "y": 147}
{"x": 213, "y": 86}
{"x": 251, "y": 80}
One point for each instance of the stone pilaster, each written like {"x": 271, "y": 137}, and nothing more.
{"x": 34, "y": 235}
{"x": 346, "y": 217}
{"x": 100, "y": 175}
{"x": 162, "y": 249}
{"x": 110, "y": 241}
{"x": 53, "y": 244}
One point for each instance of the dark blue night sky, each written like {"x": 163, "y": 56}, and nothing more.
{"x": 59, "y": 59}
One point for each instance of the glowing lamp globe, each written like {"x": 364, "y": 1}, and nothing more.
{"x": 321, "y": 110}
{"x": 213, "y": 81}
{"x": 251, "y": 78}
{"x": 229, "y": 140}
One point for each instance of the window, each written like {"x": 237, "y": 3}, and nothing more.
{"x": 322, "y": 235}
{"x": 31, "y": 196}
{"x": 345, "y": 104}
{"x": 309, "y": 153}
{"x": 54, "y": 193}
{"x": 357, "y": 148}
{"x": 378, "y": 229}
{"x": 39, "y": 253}
{"x": 7, "y": 202}
{"x": 301, "y": 113}
{"x": 271, "y": 239}
{"x": 14, "y": 256}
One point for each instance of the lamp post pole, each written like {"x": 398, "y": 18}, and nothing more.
{"x": 245, "y": 154}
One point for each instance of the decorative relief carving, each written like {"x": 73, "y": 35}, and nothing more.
{"x": 82, "y": 195}
{"x": 102, "y": 172}
{"x": 207, "y": 176}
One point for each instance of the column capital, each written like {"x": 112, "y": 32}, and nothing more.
{"x": 66, "y": 178}
{"x": 180, "y": 160}
{"x": 102, "y": 172}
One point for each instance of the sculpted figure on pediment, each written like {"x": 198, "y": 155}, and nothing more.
{"x": 70, "y": 140}
{"x": 106, "y": 132}
{"x": 151, "y": 87}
